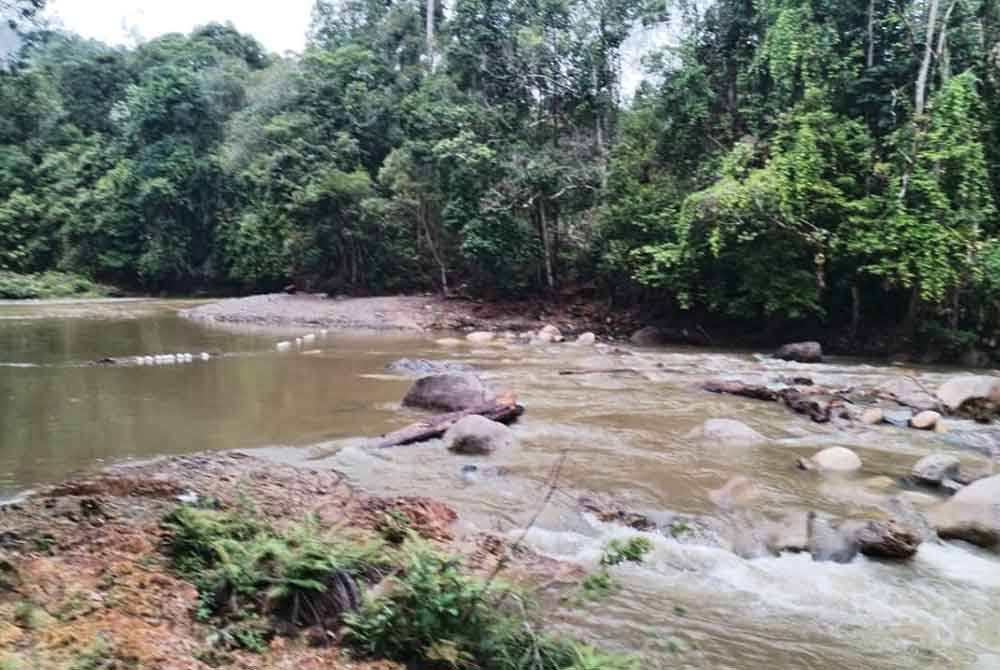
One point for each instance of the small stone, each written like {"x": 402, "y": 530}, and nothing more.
{"x": 834, "y": 459}
{"x": 925, "y": 420}
{"x": 478, "y": 436}
{"x": 872, "y": 416}
{"x": 801, "y": 352}
{"x": 549, "y": 334}
{"x": 586, "y": 340}
{"x": 952, "y": 486}
{"x": 481, "y": 337}
{"x": 935, "y": 468}
{"x": 888, "y": 539}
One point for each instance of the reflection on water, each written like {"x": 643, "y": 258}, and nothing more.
{"x": 625, "y": 434}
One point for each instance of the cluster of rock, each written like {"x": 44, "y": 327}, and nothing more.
{"x": 546, "y": 335}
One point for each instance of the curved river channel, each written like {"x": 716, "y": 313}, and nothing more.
{"x": 689, "y": 605}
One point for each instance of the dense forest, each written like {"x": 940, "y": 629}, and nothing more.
{"x": 834, "y": 163}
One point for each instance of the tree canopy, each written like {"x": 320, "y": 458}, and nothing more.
{"x": 783, "y": 162}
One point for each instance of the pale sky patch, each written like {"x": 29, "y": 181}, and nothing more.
{"x": 279, "y": 26}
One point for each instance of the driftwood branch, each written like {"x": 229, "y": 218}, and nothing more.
{"x": 436, "y": 426}
{"x": 796, "y": 400}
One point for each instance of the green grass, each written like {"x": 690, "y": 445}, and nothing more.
{"x": 15, "y": 286}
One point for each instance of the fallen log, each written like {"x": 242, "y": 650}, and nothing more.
{"x": 436, "y": 426}
{"x": 741, "y": 389}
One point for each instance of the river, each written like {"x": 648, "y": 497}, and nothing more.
{"x": 688, "y": 606}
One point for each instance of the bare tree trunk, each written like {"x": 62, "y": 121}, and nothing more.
{"x": 920, "y": 99}
{"x": 942, "y": 49}
{"x": 435, "y": 252}
{"x": 430, "y": 36}
{"x": 543, "y": 230}
{"x": 912, "y": 312}
{"x": 871, "y": 34}
{"x": 855, "y": 312}
{"x": 598, "y": 112}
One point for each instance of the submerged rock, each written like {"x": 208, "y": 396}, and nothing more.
{"x": 801, "y": 352}
{"x": 729, "y": 432}
{"x": 935, "y": 468}
{"x": 419, "y": 367}
{"x": 908, "y": 392}
{"x": 449, "y": 393}
{"x": 833, "y": 459}
{"x": 973, "y": 514}
{"x": 925, "y": 420}
{"x": 478, "y": 436}
{"x": 481, "y": 337}
{"x": 737, "y": 492}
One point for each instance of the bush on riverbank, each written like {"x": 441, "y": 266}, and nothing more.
{"x": 256, "y": 581}
{"x": 14, "y": 286}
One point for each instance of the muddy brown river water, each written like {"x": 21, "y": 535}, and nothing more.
{"x": 689, "y": 605}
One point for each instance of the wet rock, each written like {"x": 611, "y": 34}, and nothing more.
{"x": 650, "y": 336}
{"x": 448, "y": 342}
{"x": 608, "y": 512}
{"x": 830, "y": 542}
{"x": 959, "y": 391}
{"x": 729, "y": 432}
{"x": 908, "y": 392}
{"x": 549, "y": 334}
{"x": 898, "y": 418}
{"x": 888, "y": 539}
{"x": 973, "y": 514}
{"x": 418, "y": 367}
{"x": 586, "y": 340}
{"x": 801, "y": 352}
{"x": 872, "y": 416}
{"x": 481, "y": 337}
{"x": 952, "y": 486}
{"x": 925, "y": 420}
{"x": 478, "y": 436}
{"x": 449, "y": 393}
{"x": 935, "y": 468}
{"x": 476, "y": 473}
{"x": 737, "y": 492}
{"x": 833, "y": 459}
{"x": 790, "y": 533}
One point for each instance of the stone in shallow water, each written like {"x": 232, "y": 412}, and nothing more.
{"x": 478, "y": 436}
{"x": 973, "y": 514}
{"x": 925, "y": 420}
{"x": 935, "y": 468}
{"x": 728, "y": 432}
{"x": 801, "y": 352}
{"x": 833, "y": 459}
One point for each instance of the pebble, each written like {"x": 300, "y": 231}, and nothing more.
{"x": 925, "y": 420}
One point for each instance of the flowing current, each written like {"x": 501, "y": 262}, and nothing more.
{"x": 622, "y": 434}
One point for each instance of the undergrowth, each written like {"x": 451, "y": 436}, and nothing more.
{"x": 15, "y": 286}
{"x": 255, "y": 580}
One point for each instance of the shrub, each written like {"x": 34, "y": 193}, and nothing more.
{"x": 435, "y": 616}
{"x": 633, "y": 550}
{"x": 15, "y": 286}
{"x": 241, "y": 563}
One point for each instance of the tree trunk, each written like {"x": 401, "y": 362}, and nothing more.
{"x": 912, "y": 313}
{"x": 920, "y": 97}
{"x": 543, "y": 231}
{"x": 871, "y": 34}
{"x": 944, "y": 64}
{"x": 855, "y": 312}
{"x": 435, "y": 252}
{"x": 430, "y": 35}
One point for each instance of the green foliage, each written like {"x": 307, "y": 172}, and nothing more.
{"x": 434, "y": 616}
{"x": 632, "y": 550}
{"x": 241, "y": 564}
{"x": 30, "y": 616}
{"x": 49, "y": 285}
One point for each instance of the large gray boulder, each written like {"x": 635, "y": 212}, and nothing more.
{"x": 801, "y": 352}
{"x": 959, "y": 390}
{"x": 972, "y": 514}
{"x": 935, "y": 468}
{"x": 448, "y": 393}
{"x": 478, "y": 436}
